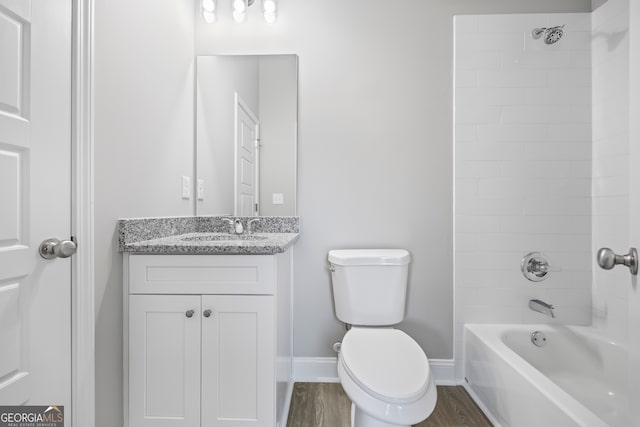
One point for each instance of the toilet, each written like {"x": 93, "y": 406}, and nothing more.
{"x": 383, "y": 370}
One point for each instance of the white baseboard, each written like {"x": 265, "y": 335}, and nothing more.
{"x": 443, "y": 371}
{"x": 325, "y": 370}
{"x": 315, "y": 369}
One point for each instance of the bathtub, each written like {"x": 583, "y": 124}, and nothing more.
{"x": 577, "y": 378}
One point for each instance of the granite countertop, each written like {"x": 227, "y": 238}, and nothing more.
{"x": 198, "y": 243}
{"x": 206, "y": 236}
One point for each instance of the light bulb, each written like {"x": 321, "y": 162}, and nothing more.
{"x": 269, "y": 6}
{"x": 239, "y": 16}
{"x": 239, "y": 5}
{"x": 209, "y": 17}
{"x": 208, "y": 5}
{"x": 269, "y": 17}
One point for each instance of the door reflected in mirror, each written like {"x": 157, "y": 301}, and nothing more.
{"x": 246, "y": 134}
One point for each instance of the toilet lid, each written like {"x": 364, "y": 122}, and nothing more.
{"x": 387, "y": 363}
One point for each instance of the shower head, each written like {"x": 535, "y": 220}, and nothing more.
{"x": 551, "y": 35}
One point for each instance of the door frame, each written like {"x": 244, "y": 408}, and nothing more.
{"x": 633, "y": 314}
{"x": 82, "y": 218}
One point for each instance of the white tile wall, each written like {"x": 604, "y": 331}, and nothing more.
{"x": 523, "y": 167}
{"x": 610, "y": 47}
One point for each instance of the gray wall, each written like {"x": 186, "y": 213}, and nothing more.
{"x": 597, "y": 3}
{"x": 375, "y": 145}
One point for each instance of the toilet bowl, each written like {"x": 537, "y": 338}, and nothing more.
{"x": 383, "y": 370}
{"x": 386, "y": 375}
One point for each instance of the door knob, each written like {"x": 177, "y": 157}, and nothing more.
{"x": 207, "y": 313}
{"x": 55, "y": 248}
{"x": 190, "y": 313}
{"x": 607, "y": 259}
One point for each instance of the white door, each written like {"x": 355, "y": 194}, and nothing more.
{"x": 247, "y": 162}
{"x": 238, "y": 361}
{"x": 35, "y": 201}
{"x": 164, "y": 360}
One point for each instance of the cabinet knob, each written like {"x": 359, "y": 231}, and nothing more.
{"x": 207, "y": 313}
{"x": 189, "y": 313}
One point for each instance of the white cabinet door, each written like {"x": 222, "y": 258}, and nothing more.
{"x": 238, "y": 362}
{"x": 164, "y": 360}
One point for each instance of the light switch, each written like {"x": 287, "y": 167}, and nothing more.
{"x": 278, "y": 198}
{"x": 200, "y": 189}
{"x": 186, "y": 187}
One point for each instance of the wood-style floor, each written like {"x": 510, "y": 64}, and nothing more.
{"x": 326, "y": 405}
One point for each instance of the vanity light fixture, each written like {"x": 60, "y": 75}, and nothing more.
{"x": 270, "y": 11}
{"x": 209, "y": 10}
{"x": 239, "y": 7}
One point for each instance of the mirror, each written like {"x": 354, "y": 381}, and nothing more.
{"x": 246, "y": 134}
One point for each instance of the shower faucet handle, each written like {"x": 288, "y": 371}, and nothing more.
{"x": 607, "y": 259}
{"x": 535, "y": 266}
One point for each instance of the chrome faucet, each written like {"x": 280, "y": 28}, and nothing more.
{"x": 236, "y": 225}
{"x": 541, "y": 307}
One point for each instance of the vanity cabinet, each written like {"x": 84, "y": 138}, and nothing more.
{"x": 208, "y": 340}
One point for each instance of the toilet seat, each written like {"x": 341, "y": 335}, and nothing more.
{"x": 386, "y": 363}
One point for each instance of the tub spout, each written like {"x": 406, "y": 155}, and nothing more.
{"x": 541, "y": 307}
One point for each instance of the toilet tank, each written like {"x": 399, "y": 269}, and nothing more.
{"x": 369, "y": 285}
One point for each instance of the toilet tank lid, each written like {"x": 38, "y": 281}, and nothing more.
{"x": 369, "y": 257}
